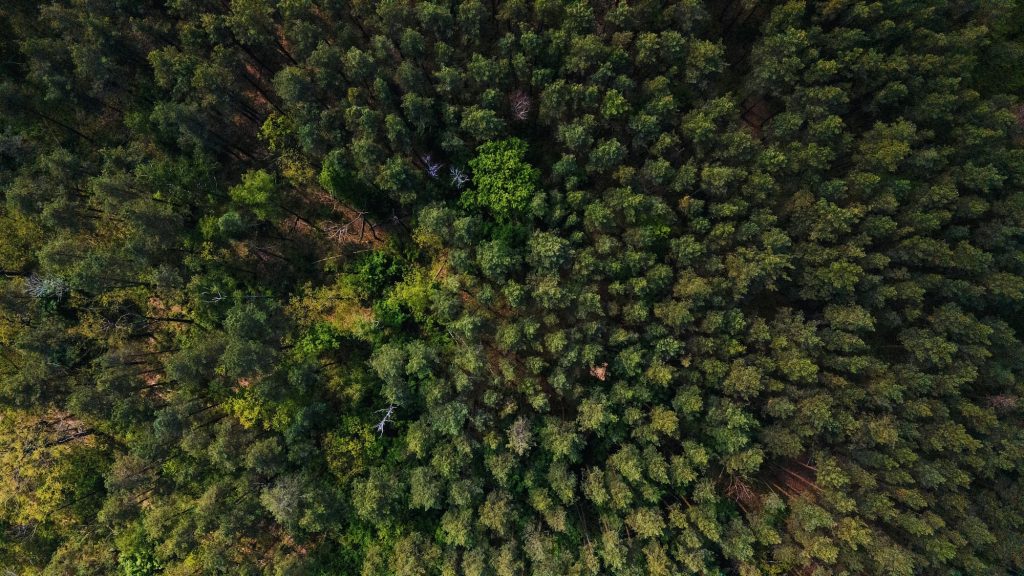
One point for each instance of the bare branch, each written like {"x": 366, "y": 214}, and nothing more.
{"x": 459, "y": 177}
{"x": 38, "y": 286}
{"x": 388, "y": 413}
{"x": 433, "y": 168}
{"x": 521, "y": 104}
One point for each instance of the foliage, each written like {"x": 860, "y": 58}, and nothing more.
{"x": 662, "y": 287}
{"x": 505, "y": 182}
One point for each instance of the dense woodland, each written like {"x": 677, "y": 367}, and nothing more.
{"x": 512, "y": 287}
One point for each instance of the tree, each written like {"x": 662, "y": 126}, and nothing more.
{"x": 505, "y": 182}
{"x": 320, "y": 287}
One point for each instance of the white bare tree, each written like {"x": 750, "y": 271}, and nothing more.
{"x": 520, "y": 437}
{"x": 433, "y": 168}
{"x": 388, "y": 413}
{"x": 459, "y": 177}
{"x": 521, "y": 104}
{"x": 38, "y": 286}
{"x": 212, "y": 297}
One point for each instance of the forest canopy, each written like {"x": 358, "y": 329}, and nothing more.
{"x": 503, "y": 288}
